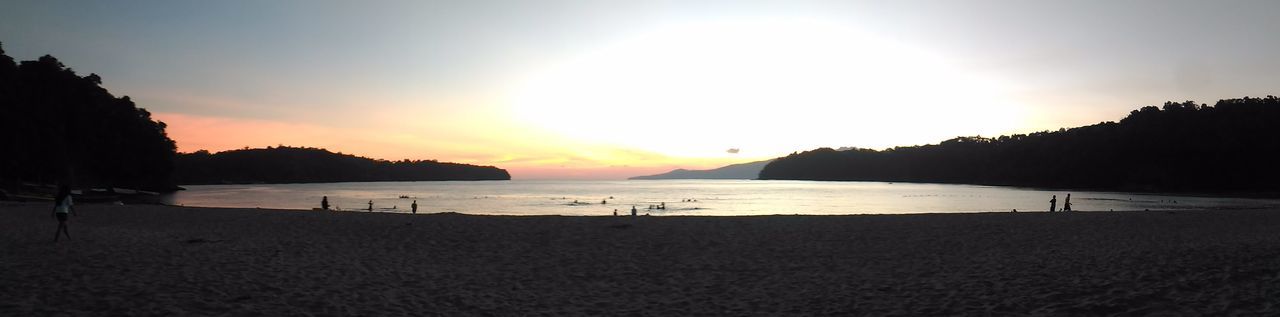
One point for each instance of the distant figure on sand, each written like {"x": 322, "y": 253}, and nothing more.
{"x": 371, "y": 205}
{"x": 62, "y": 208}
{"x": 414, "y": 206}
{"x": 324, "y": 203}
{"x": 1053, "y": 204}
{"x": 1066, "y": 203}
{"x": 633, "y": 210}
{"x": 615, "y": 212}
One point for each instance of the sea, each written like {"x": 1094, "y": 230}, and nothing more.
{"x": 683, "y": 197}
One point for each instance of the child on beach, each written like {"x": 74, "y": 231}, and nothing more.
{"x": 1066, "y": 204}
{"x": 324, "y": 203}
{"x": 1053, "y": 203}
{"x": 62, "y": 208}
{"x": 415, "y": 207}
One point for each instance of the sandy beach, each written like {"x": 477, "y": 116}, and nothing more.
{"x": 159, "y": 260}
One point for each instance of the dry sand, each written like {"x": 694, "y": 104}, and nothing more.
{"x": 155, "y": 260}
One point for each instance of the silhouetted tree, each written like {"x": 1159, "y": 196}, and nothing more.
{"x": 285, "y": 164}
{"x": 1229, "y": 147}
{"x": 57, "y": 126}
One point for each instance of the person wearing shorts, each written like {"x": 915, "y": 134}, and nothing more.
{"x": 62, "y": 209}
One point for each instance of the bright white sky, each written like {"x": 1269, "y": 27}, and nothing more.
{"x": 609, "y": 89}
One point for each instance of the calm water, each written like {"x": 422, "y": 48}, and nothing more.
{"x": 712, "y": 197}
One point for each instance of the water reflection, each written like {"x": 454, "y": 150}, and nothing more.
{"x": 681, "y": 197}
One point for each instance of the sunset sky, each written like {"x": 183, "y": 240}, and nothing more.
{"x": 611, "y": 89}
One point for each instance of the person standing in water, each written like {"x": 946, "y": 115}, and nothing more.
{"x": 1066, "y": 204}
{"x": 414, "y": 206}
{"x": 62, "y": 208}
{"x": 370, "y": 205}
{"x": 633, "y": 210}
{"x": 1053, "y": 204}
{"x": 324, "y": 203}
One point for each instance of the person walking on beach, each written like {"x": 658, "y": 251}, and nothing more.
{"x": 1066, "y": 204}
{"x": 415, "y": 207}
{"x": 324, "y": 203}
{"x": 1053, "y": 204}
{"x": 370, "y": 205}
{"x": 633, "y": 210}
{"x": 62, "y": 208}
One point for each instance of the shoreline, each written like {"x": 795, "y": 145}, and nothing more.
{"x": 139, "y": 260}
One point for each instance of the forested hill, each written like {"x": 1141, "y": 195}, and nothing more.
{"x": 1232, "y": 146}
{"x": 310, "y": 165}
{"x": 57, "y": 127}
{"x": 736, "y": 171}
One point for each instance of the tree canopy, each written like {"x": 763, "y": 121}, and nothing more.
{"x": 311, "y": 165}
{"x": 60, "y": 127}
{"x": 1231, "y": 146}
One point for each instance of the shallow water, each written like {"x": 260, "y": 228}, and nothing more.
{"x": 710, "y": 197}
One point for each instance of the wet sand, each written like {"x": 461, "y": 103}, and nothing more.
{"x": 157, "y": 260}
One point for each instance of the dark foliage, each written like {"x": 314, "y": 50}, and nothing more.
{"x": 310, "y": 165}
{"x": 1232, "y": 146}
{"x": 59, "y": 127}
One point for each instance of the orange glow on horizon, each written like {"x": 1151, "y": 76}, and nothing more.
{"x": 548, "y": 158}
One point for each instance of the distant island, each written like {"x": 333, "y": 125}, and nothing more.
{"x": 736, "y": 171}
{"x": 1230, "y": 147}
{"x": 311, "y": 165}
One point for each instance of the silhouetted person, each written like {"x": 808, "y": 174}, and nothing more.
{"x": 414, "y": 206}
{"x": 324, "y": 202}
{"x": 371, "y": 205}
{"x": 1053, "y": 204}
{"x": 633, "y": 210}
{"x": 62, "y": 208}
{"x": 602, "y": 202}
{"x": 615, "y": 212}
{"x": 1066, "y": 203}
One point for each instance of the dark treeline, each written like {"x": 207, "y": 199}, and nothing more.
{"x": 1230, "y": 147}
{"x": 310, "y": 165}
{"x": 59, "y": 127}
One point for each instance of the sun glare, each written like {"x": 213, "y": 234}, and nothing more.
{"x": 768, "y": 86}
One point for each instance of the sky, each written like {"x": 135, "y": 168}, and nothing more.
{"x": 610, "y": 89}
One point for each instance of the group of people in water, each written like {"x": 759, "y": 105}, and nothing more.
{"x": 634, "y": 211}
{"x": 1053, "y": 204}
{"x": 324, "y": 205}
{"x": 64, "y": 207}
